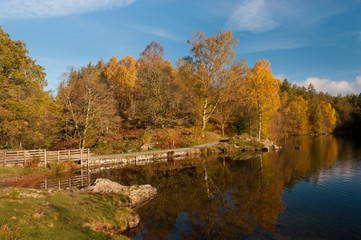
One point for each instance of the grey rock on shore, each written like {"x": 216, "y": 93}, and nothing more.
{"x": 138, "y": 195}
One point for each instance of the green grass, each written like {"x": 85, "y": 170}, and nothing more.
{"x": 65, "y": 214}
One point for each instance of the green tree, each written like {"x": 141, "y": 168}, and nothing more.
{"x": 26, "y": 110}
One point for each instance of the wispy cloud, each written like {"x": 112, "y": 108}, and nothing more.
{"x": 333, "y": 87}
{"x": 24, "y": 9}
{"x": 265, "y": 15}
{"x": 158, "y": 32}
{"x": 252, "y": 15}
{"x": 280, "y": 77}
{"x": 272, "y": 45}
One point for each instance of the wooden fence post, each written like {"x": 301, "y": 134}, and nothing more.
{"x": 24, "y": 158}
{"x": 4, "y": 158}
{"x": 81, "y": 158}
{"x": 45, "y": 158}
{"x": 58, "y": 156}
{"x": 87, "y": 158}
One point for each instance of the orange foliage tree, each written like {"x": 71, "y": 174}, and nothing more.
{"x": 262, "y": 89}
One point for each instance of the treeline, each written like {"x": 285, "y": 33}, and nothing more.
{"x": 208, "y": 90}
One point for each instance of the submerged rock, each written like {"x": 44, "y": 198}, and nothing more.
{"x": 137, "y": 194}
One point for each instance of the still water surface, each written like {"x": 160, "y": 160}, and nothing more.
{"x": 311, "y": 193}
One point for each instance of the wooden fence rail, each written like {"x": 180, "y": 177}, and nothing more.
{"x": 25, "y": 157}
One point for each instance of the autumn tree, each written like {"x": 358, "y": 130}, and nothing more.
{"x": 158, "y": 101}
{"x": 229, "y": 92}
{"x": 210, "y": 57}
{"x": 122, "y": 76}
{"x": 262, "y": 88}
{"x": 297, "y": 115}
{"x": 26, "y": 110}
{"x": 89, "y": 112}
{"x": 329, "y": 117}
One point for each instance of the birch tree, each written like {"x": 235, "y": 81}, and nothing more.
{"x": 210, "y": 57}
{"x": 263, "y": 90}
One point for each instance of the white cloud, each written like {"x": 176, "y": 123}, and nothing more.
{"x": 333, "y": 87}
{"x": 23, "y": 9}
{"x": 252, "y": 15}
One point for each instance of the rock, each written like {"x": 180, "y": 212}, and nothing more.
{"x": 133, "y": 220}
{"x": 102, "y": 185}
{"x": 140, "y": 194}
{"x": 137, "y": 194}
{"x": 148, "y": 146}
{"x": 30, "y": 195}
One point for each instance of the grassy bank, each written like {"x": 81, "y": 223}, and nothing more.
{"x": 39, "y": 214}
{"x": 135, "y": 140}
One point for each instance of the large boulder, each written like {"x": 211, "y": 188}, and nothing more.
{"x": 138, "y": 194}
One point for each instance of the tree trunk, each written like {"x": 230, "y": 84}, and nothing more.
{"x": 204, "y": 119}
{"x": 222, "y": 129}
{"x": 249, "y": 120}
{"x": 259, "y": 122}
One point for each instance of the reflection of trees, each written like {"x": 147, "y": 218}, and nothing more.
{"x": 241, "y": 196}
{"x": 305, "y": 164}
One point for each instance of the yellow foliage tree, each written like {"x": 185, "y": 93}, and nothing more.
{"x": 122, "y": 76}
{"x": 211, "y": 56}
{"x": 123, "y": 72}
{"x": 297, "y": 115}
{"x": 262, "y": 89}
{"x": 329, "y": 117}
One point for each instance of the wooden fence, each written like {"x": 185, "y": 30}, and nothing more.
{"x": 42, "y": 156}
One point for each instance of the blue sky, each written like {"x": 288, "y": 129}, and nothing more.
{"x": 306, "y": 41}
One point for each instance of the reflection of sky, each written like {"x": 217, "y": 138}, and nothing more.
{"x": 342, "y": 171}
{"x": 182, "y": 226}
{"x": 327, "y": 209}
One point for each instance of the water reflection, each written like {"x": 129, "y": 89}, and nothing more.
{"x": 223, "y": 198}
{"x": 287, "y": 194}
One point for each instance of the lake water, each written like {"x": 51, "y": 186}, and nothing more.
{"x": 311, "y": 193}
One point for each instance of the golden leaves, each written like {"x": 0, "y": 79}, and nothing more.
{"x": 123, "y": 72}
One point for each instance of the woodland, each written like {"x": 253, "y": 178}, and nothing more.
{"x": 112, "y": 103}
